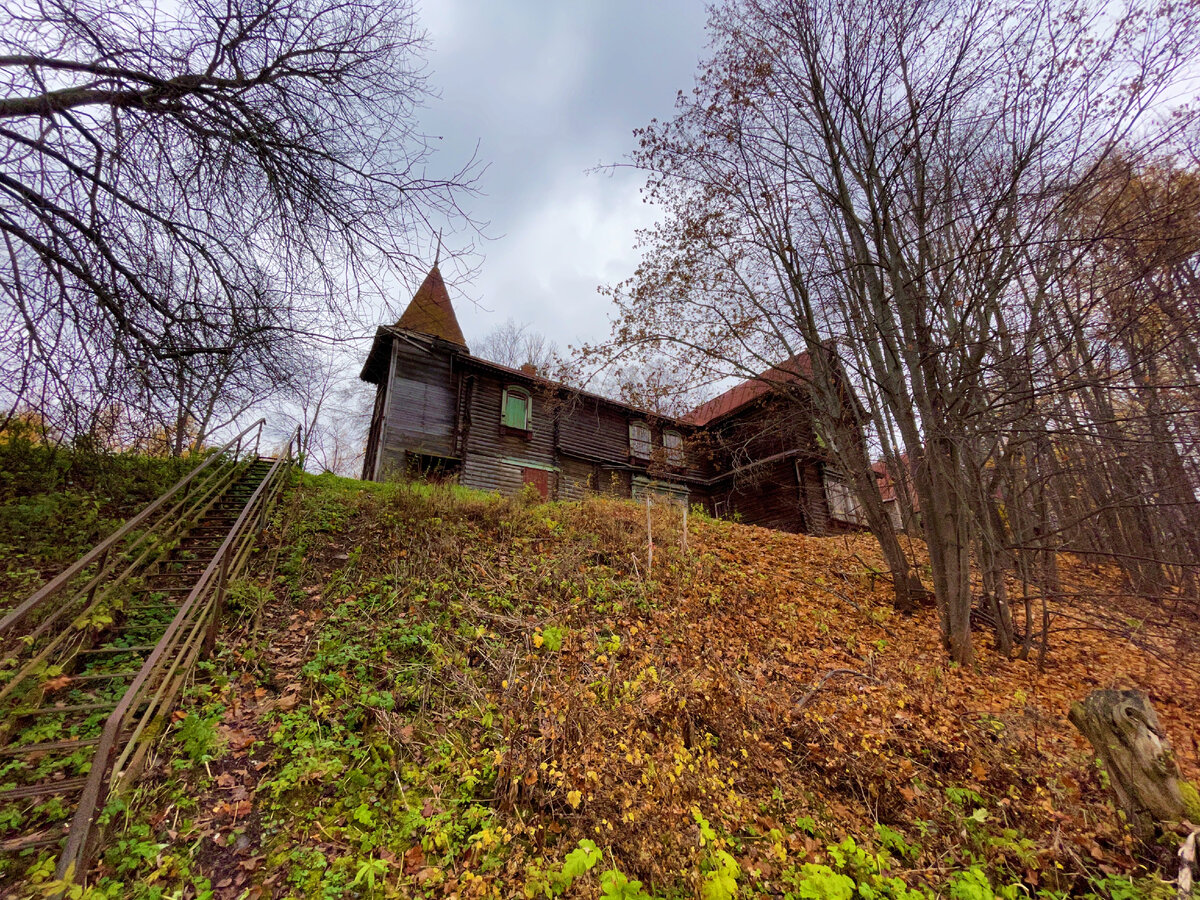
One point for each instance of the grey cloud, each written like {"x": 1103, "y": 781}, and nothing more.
{"x": 548, "y": 90}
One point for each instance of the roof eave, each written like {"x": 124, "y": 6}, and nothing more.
{"x": 374, "y": 370}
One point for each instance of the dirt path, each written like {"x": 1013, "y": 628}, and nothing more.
{"x": 262, "y": 662}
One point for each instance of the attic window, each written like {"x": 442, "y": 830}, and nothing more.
{"x": 641, "y": 443}
{"x": 673, "y": 445}
{"x": 516, "y": 408}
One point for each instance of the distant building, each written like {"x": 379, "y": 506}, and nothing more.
{"x": 899, "y": 497}
{"x": 441, "y": 412}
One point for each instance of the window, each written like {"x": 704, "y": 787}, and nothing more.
{"x": 516, "y": 408}
{"x": 430, "y": 468}
{"x": 640, "y": 442}
{"x": 673, "y": 444}
{"x": 843, "y": 504}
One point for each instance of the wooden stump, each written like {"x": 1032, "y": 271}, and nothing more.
{"x": 1124, "y": 730}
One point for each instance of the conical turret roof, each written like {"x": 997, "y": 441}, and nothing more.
{"x": 430, "y": 311}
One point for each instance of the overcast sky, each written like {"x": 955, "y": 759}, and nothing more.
{"x": 548, "y": 91}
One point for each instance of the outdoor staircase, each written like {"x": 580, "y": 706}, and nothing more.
{"x": 93, "y": 663}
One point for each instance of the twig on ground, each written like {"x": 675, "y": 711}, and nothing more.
{"x": 827, "y": 589}
{"x": 824, "y": 678}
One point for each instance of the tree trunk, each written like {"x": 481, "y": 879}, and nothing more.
{"x": 1124, "y": 730}
{"x": 946, "y": 517}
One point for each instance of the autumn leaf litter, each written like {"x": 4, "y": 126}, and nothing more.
{"x": 757, "y": 681}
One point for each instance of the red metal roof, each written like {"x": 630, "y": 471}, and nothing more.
{"x": 431, "y": 312}
{"x": 796, "y": 369}
{"x": 888, "y": 486}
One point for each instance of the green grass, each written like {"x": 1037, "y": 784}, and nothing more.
{"x": 481, "y": 693}
{"x": 56, "y": 503}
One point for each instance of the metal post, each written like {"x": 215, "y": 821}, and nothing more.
{"x": 262, "y": 511}
{"x": 649, "y": 542}
{"x": 257, "y": 437}
{"x": 221, "y": 584}
{"x": 219, "y": 606}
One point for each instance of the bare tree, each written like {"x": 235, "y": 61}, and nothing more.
{"x": 200, "y": 180}
{"x": 891, "y": 179}
{"x": 333, "y": 411}
{"x": 515, "y": 345}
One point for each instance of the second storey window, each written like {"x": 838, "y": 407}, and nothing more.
{"x": 673, "y": 445}
{"x": 640, "y": 442}
{"x": 516, "y": 408}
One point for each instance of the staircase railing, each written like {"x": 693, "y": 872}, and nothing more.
{"x": 41, "y": 626}
{"x": 142, "y": 710}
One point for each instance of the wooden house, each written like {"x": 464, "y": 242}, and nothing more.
{"x": 441, "y": 412}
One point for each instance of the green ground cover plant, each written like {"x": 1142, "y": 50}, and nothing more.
{"x": 424, "y": 691}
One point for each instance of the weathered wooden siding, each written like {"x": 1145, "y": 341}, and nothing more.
{"x": 419, "y": 417}
{"x": 578, "y": 479}
{"x": 786, "y": 494}
{"x": 591, "y": 430}
{"x": 812, "y": 495}
{"x": 372, "y": 451}
{"x": 763, "y": 431}
{"x": 769, "y": 496}
{"x": 495, "y": 460}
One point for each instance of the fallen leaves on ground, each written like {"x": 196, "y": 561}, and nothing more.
{"x": 759, "y": 681}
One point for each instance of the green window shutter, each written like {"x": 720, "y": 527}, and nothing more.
{"x": 515, "y": 411}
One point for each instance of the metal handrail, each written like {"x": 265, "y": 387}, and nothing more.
{"x": 175, "y": 654}
{"x": 89, "y": 597}
{"x": 64, "y": 578}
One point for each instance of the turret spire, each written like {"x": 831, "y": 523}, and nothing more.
{"x": 430, "y": 311}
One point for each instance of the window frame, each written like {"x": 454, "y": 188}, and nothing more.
{"x": 846, "y": 507}
{"x": 647, "y": 444}
{"x": 516, "y": 391}
{"x": 674, "y": 453}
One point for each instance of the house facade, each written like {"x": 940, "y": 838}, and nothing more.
{"x": 441, "y": 412}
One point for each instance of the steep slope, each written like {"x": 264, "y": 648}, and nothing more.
{"x": 57, "y": 503}
{"x": 437, "y": 693}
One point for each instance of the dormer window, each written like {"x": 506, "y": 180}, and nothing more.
{"x": 673, "y": 445}
{"x": 516, "y": 408}
{"x": 641, "y": 443}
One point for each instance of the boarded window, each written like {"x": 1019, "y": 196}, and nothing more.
{"x": 661, "y": 491}
{"x": 641, "y": 444}
{"x": 673, "y": 445}
{"x": 515, "y": 408}
{"x": 843, "y": 504}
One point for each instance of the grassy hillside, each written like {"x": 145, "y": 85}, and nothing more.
{"x": 57, "y": 503}
{"x": 430, "y": 692}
